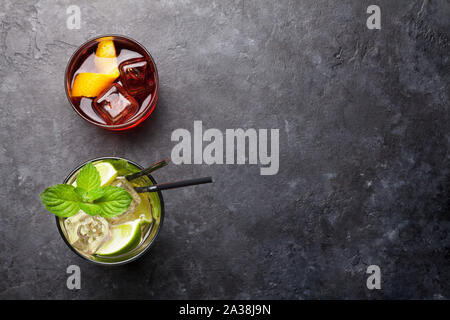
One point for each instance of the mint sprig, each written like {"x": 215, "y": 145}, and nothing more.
{"x": 65, "y": 200}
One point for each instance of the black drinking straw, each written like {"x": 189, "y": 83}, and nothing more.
{"x": 173, "y": 185}
{"x": 149, "y": 170}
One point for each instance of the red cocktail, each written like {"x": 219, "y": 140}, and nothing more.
{"x": 112, "y": 82}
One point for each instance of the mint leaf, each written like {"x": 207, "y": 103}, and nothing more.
{"x": 123, "y": 167}
{"x": 90, "y": 208}
{"x": 114, "y": 202}
{"x": 61, "y": 200}
{"x": 88, "y": 178}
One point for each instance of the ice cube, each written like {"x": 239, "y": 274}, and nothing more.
{"x": 137, "y": 76}
{"x": 115, "y": 105}
{"x": 87, "y": 233}
{"x": 135, "y": 202}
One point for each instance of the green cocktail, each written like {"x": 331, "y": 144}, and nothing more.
{"x": 111, "y": 223}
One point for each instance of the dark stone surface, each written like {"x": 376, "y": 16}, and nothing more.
{"x": 364, "y": 139}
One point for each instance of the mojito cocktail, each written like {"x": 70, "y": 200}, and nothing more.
{"x": 101, "y": 216}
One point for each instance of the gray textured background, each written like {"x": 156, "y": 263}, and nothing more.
{"x": 364, "y": 136}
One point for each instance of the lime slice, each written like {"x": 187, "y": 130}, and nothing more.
{"x": 125, "y": 237}
{"x": 107, "y": 173}
{"x": 144, "y": 210}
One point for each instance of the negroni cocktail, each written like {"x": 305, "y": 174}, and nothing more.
{"x": 112, "y": 82}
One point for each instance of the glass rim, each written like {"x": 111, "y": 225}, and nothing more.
{"x": 135, "y": 121}
{"x": 141, "y": 253}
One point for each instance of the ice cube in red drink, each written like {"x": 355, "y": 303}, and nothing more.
{"x": 137, "y": 76}
{"x": 115, "y": 105}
